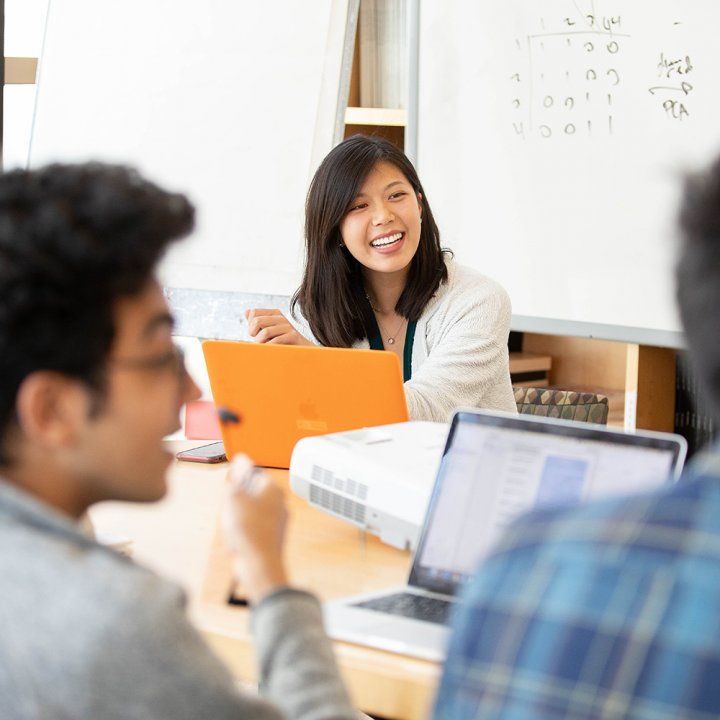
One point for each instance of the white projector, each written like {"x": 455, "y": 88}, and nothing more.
{"x": 377, "y": 478}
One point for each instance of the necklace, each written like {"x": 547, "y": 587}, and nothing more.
{"x": 390, "y": 339}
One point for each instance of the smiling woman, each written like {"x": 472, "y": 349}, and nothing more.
{"x": 376, "y": 276}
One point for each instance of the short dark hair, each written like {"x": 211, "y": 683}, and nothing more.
{"x": 73, "y": 240}
{"x": 331, "y": 295}
{"x": 698, "y": 279}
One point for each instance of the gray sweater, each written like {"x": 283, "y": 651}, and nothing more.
{"x": 87, "y": 633}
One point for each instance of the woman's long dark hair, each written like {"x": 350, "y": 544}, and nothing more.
{"x": 331, "y": 295}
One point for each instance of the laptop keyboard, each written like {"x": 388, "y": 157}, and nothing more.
{"x": 417, "y": 607}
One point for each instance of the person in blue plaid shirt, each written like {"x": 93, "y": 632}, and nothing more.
{"x": 610, "y": 610}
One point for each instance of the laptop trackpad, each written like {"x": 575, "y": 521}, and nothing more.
{"x": 395, "y": 634}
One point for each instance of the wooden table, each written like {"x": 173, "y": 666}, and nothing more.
{"x": 180, "y": 538}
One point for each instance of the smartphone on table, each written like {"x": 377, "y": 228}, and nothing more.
{"x": 212, "y": 453}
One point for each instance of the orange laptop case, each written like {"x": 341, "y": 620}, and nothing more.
{"x": 276, "y": 394}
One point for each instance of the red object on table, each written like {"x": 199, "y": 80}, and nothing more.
{"x": 201, "y": 421}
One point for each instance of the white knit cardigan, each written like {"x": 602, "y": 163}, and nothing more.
{"x": 459, "y": 355}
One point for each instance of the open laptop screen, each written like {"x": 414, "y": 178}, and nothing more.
{"x": 496, "y": 467}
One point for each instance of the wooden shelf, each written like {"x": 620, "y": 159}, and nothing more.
{"x": 20, "y": 70}
{"x": 529, "y": 369}
{"x": 375, "y": 116}
{"x": 522, "y": 362}
{"x": 382, "y": 122}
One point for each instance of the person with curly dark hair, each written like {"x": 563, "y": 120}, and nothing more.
{"x": 90, "y": 383}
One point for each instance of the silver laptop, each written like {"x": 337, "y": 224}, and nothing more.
{"x": 494, "y": 468}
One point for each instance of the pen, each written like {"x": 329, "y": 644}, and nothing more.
{"x": 233, "y": 599}
{"x": 227, "y": 416}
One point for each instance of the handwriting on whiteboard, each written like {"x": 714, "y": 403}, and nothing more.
{"x": 674, "y": 86}
{"x": 570, "y": 76}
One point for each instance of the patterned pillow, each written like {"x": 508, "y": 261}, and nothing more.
{"x": 566, "y": 404}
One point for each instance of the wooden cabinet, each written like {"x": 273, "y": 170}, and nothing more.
{"x": 639, "y": 380}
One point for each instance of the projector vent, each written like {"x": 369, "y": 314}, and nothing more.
{"x": 329, "y": 479}
{"x": 345, "y": 507}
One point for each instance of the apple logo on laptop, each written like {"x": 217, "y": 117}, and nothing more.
{"x": 309, "y": 410}
{"x": 309, "y": 418}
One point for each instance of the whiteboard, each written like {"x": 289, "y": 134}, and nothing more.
{"x": 234, "y": 103}
{"x": 553, "y": 136}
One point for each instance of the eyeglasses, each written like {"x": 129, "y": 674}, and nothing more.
{"x": 172, "y": 360}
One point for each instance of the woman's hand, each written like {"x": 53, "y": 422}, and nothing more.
{"x": 271, "y": 326}
{"x": 254, "y": 519}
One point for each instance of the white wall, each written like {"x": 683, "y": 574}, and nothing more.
{"x": 223, "y": 104}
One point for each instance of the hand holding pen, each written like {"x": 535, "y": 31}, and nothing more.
{"x": 254, "y": 519}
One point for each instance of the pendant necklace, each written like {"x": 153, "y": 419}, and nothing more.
{"x": 390, "y": 339}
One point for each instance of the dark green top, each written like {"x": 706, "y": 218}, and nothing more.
{"x": 376, "y": 343}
